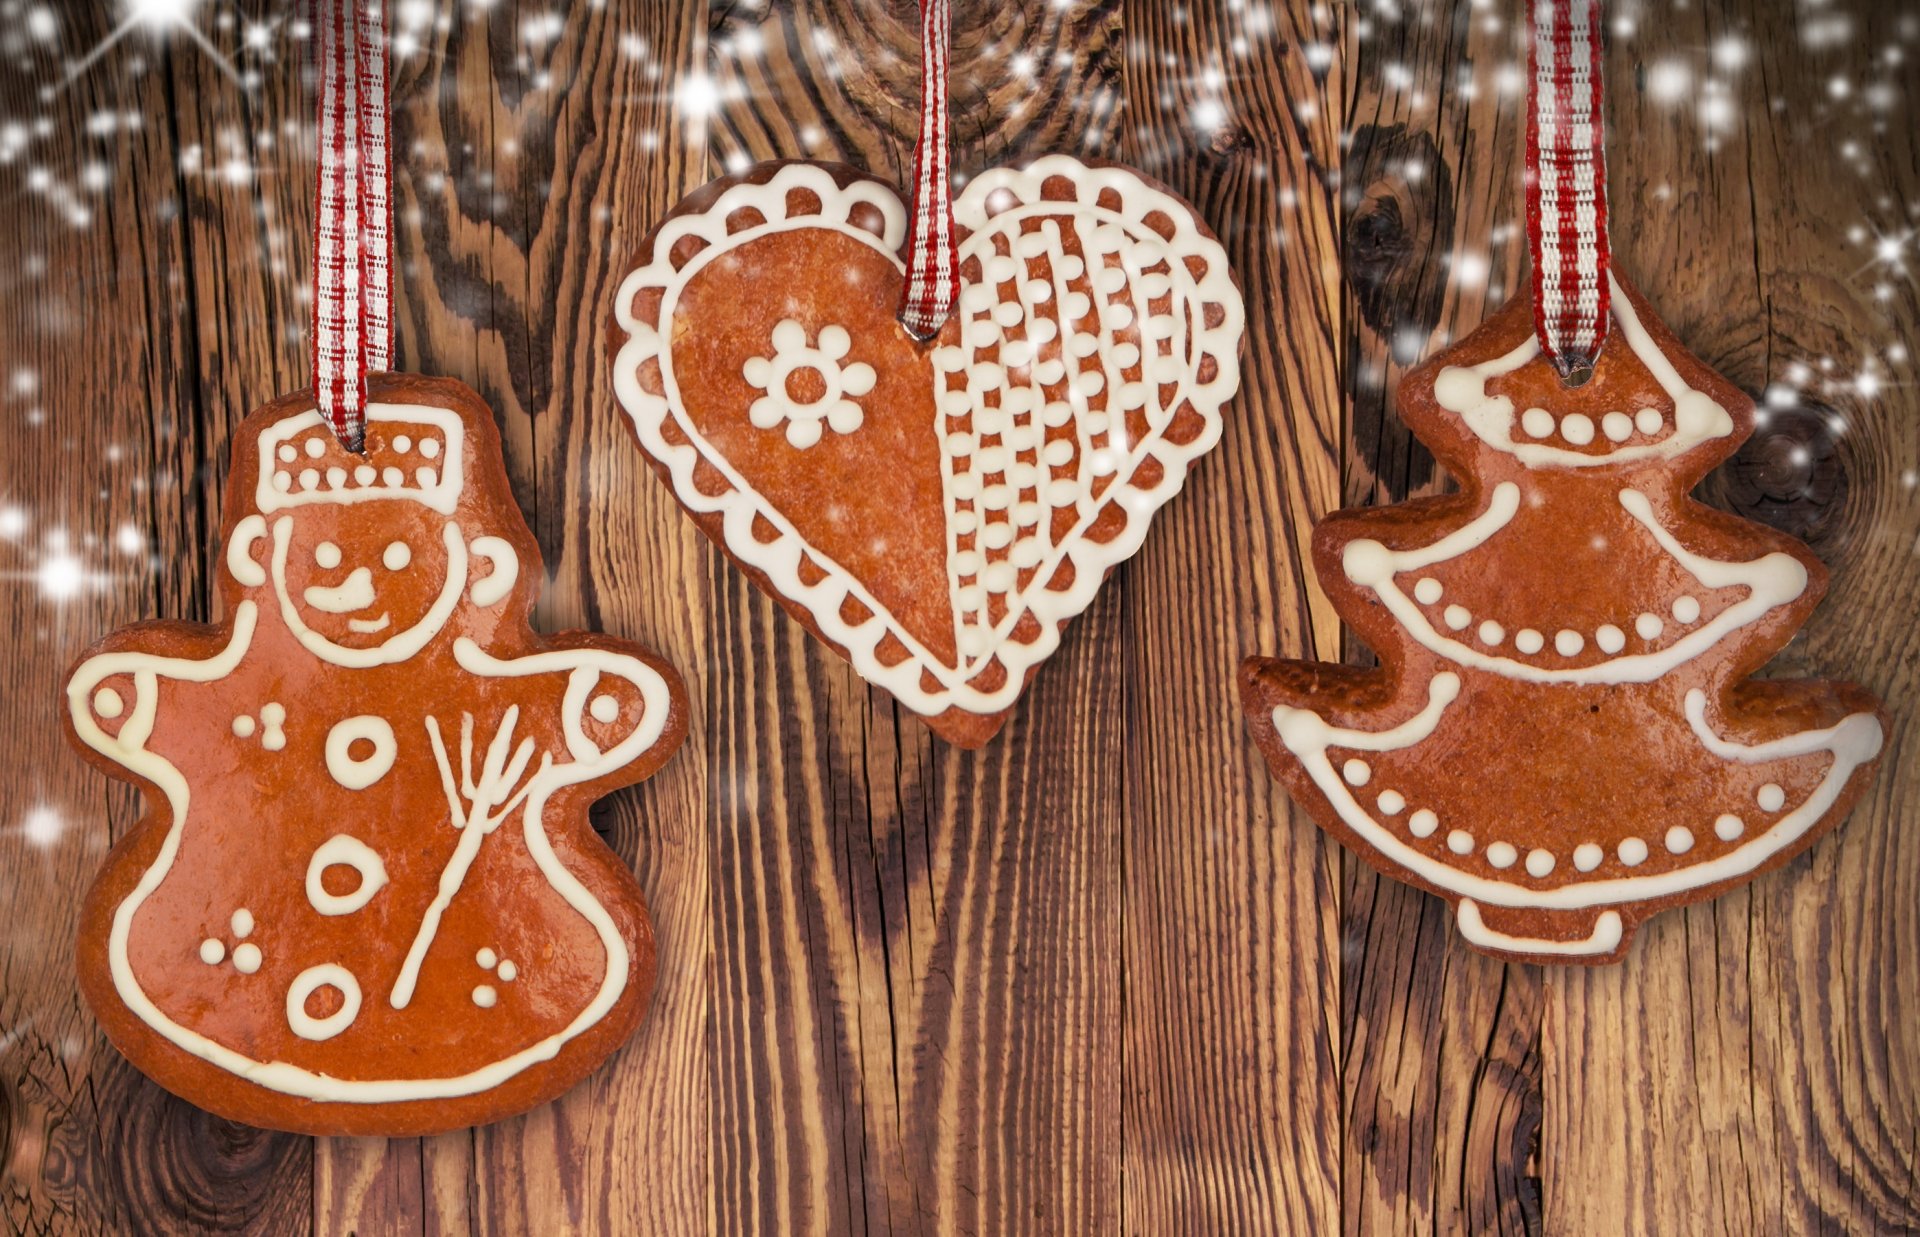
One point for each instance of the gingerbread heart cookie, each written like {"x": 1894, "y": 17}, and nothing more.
{"x": 1562, "y": 737}
{"x": 936, "y": 512}
{"x": 365, "y": 898}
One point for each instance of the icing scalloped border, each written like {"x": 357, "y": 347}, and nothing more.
{"x": 779, "y": 559}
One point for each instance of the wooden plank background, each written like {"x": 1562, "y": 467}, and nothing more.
{"x": 1099, "y": 977}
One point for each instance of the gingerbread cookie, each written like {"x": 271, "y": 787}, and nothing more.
{"x": 1562, "y": 737}
{"x": 365, "y": 898}
{"x": 935, "y": 512}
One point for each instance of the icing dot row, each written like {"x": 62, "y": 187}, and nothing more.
{"x": 1578, "y": 428}
{"x": 1567, "y": 642}
{"x": 364, "y": 475}
{"x": 1587, "y": 856}
{"x": 315, "y": 446}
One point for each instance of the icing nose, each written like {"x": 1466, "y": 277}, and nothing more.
{"x": 353, "y": 593}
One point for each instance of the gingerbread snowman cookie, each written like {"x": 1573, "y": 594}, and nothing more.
{"x": 365, "y": 898}
{"x": 935, "y": 511}
{"x": 1563, "y": 737}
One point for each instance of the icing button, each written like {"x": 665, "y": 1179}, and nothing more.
{"x": 1422, "y": 823}
{"x": 1492, "y": 633}
{"x": 1685, "y": 609}
{"x": 1587, "y": 856}
{"x": 1633, "y": 851}
{"x": 1356, "y": 771}
{"x": 484, "y": 996}
{"x": 1728, "y": 827}
{"x": 1392, "y": 802}
{"x": 1539, "y": 863}
{"x": 1649, "y": 626}
{"x": 1457, "y": 617}
{"x": 1577, "y": 428}
{"x": 1567, "y": 642}
{"x": 1460, "y": 842}
{"x": 1610, "y": 638}
{"x": 1502, "y": 854}
{"x": 1679, "y": 839}
{"x": 1427, "y": 591}
{"x": 212, "y": 952}
{"x": 1529, "y": 641}
{"x": 1771, "y": 798}
{"x": 246, "y": 958}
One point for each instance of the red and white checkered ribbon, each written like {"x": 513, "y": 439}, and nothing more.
{"x": 352, "y": 328}
{"x": 933, "y": 263}
{"x": 1567, "y": 183}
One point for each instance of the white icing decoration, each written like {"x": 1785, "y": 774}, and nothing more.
{"x": 1771, "y": 798}
{"x": 1649, "y": 421}
{"x": 1457, "y": 618}
{"x": 1610, "y": 639}
{"x": 212, "y": 952}
{"x": 1539, "y": 863}
{"x": 273, "y": 718}
{"x": 1502, "y": 854}
{"x": 242, "y": 923}
{"x": 327, "y": 555}
{"x": 402, "y": 444}
{"x": 1462, "y": 390}
{"x": 1686, "y": 610}
{"x": 493, "y": 588}
{"x": 1772, "y": 580}
{"x": 1568, "y": 643}
{"x": 360, "y": 772}
{"x": 508, "y": 972}
{"x": 1853, "y": 741}
{"x": 344, "y": 850}
{"x": 1537, "y": 422}
{"x": 1356, "y": 772}
{"x": 1491, "y": 633}
{"x": 1617, "y": 426}
{"x": 484, "y": 996}
{"x": 273, "y": 494}
{"x": 1156, "y": 376}
{"x": 246, "y": 958}
{"x": 240, "y": 561}
{"x": 243, "y": 726}
{"x": 604, "y": 709}
{"x": 1422, "y": 823}
{"x": 486, "y": 958}
{"x": 305, "y": 1025}
{"x": 792, "y": 354}
{"x": 1727, "y": 827}
{"x": 107, "y": 703}
{"x": 1608, "y": 929}
{"x": 1427, "y": 591}
{"x": 1649, "y": 626}
{"x": 1679, "y": 839}
{"x": 1587, "y": 856}
{"x": 396, "y": 556}
{"x": 1392, "y": 802}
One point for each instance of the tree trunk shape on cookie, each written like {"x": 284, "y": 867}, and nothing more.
{"x": 937, "y": 512}
{"x": 1562, "y": 737}
{"x": 366, "y": 898}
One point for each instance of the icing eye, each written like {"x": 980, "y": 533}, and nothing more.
{"x": 397, "y": 556}
{"x": 327, "y": 555}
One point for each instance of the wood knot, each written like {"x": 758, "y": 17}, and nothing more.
{"x": 1791, "y": 474}
{"x": 1400, "y": 211}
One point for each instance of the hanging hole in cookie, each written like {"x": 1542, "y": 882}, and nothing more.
{"x": 1576, "y": 372}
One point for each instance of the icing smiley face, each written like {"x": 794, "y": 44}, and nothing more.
{"x": 939, "y": 511}
{"x": 367, "y": 589}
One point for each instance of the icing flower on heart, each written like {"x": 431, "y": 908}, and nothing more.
{"x": 807, "y": 384}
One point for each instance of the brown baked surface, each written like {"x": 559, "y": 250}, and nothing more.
{"x": 259, "y": 812}
{"x": 1555, "y": 767}
{"x": 872, "y": 503}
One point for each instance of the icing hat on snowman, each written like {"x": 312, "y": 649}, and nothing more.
{"x": 411, "y": 452}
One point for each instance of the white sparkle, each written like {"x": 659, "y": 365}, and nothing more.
{"x": 43, "y": 826}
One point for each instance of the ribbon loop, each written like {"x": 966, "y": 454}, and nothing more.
{"x": 1567, "y": 184}
{"x": 933, "y": 265}
{"x": 352, "y": 326}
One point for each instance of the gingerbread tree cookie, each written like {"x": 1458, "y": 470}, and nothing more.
{"x": 365, "y": 898}
{"x": 1563, "y": 737}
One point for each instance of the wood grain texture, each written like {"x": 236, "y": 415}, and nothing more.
{"x": 1099, "y": 977}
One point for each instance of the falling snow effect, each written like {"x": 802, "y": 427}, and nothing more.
{"x": 1211, "y": 101}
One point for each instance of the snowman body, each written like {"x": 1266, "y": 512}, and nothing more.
{"x": 366, "y": 899}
